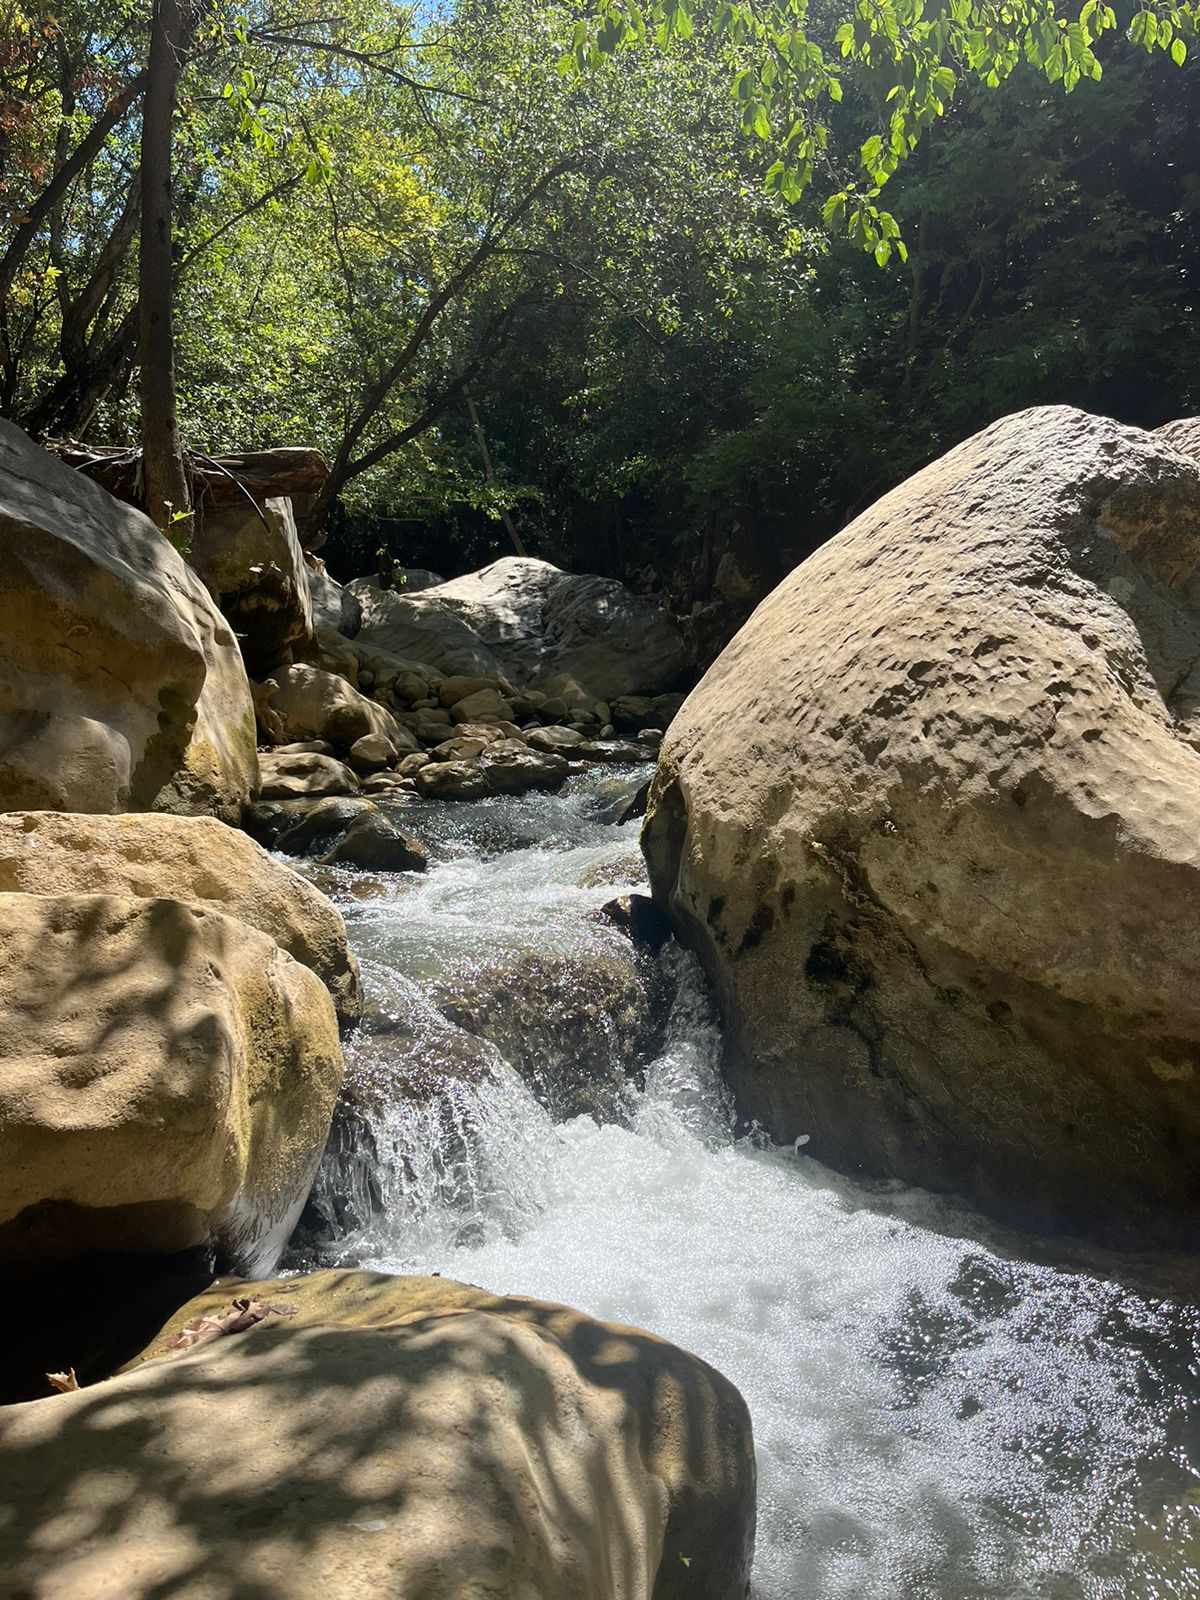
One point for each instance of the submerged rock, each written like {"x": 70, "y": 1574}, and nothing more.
{"x": 933, "y": 823}
{"x": 167, "y": 1081}
{"x": 406, "y": 1436}
{"x": 575, "y": 1027}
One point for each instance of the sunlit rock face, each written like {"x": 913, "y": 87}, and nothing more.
{"x": 932, "y": 821}
{"x": 533, "y": 624}
{"x": 121, "y": 685}
{"x": 418, "y": 1437}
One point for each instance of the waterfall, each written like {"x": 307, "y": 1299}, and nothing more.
{"x": 942, "y": 1411}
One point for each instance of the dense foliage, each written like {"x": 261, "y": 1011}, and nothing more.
{"x": 529, "y": 277}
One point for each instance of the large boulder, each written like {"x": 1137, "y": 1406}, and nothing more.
{"x": 933, "y": 823}
{"x": 196, "y": 859}
{"x": 250, "y": 559}
{"x": 531, "y": 623}
{"x": 304, "y": 776}
{"x": 1184, "y": 434}
{"x": 315, "y": 704}
{"x": 121, "y": 685}
{"x": 167, "y": 1080}
{"x": 333, "y": 607}
{"x": 371, "y": 1436}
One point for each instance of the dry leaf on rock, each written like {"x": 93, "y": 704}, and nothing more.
{"x": 64, "y": 1382}
{"x": 242, "y": 1314}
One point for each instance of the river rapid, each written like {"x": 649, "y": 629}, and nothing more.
{"x": 941, "y": 1412}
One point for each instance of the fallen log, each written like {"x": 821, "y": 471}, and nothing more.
{"x": 298, "y": 472}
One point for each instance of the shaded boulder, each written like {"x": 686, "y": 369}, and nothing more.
{"x": 933, "y": 823}
{"x": 121, "y": 685}
{"x": 298, "y": 777}
{"x": 333, "y": 607}
{"x": 250, "y": 559}
{"x": 167, "y": 1080}
{"x": 196, "y": 859}
{"x": 528, "y": 622}
{"x": 425, "y": 1439}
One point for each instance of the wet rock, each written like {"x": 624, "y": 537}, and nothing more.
{"x": 312, "y": 827}
{"x": 418, "y": 1438}
{"x": 640, "y": 918}
{"x": 304, "y": 777}
{"x": 510, "y": 767}
{"x": 610, "y": 750}
{"x": 650, "y": 738}
{"x": 574, "y": 1027}
{"x": 409, "y": 766}
{"x": 375, "y": 842}
{"x": 634, "y": 806}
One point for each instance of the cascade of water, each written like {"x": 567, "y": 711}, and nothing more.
{"x": 937, "y": 1416}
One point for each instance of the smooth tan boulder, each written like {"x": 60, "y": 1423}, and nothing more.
{"x": 409, "y": 1437}
{"x": 932, "y": 821}
{"x": 304, "y": 777}
{"x": 167, "y": 1080}
{"x": 121, "y": 685}
{"x": 182, "y": 858}
{"x": 321, "y": 705}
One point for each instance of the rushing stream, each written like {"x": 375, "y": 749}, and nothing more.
{"x": 938, "y": 1416}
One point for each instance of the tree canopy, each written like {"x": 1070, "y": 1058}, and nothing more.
{"x": 616, "y": 284}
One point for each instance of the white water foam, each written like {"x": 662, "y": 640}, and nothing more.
{"x": 936, "y": 1418}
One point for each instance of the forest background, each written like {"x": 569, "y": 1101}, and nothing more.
{"x": 590, "y": 313}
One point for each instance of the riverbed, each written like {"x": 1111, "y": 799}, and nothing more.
{"x": 941, "y": 1411}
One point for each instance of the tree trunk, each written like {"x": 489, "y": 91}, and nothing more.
{"x": 166, "y": 487}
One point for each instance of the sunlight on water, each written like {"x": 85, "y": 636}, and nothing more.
{"x": 935, "y": 1417}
